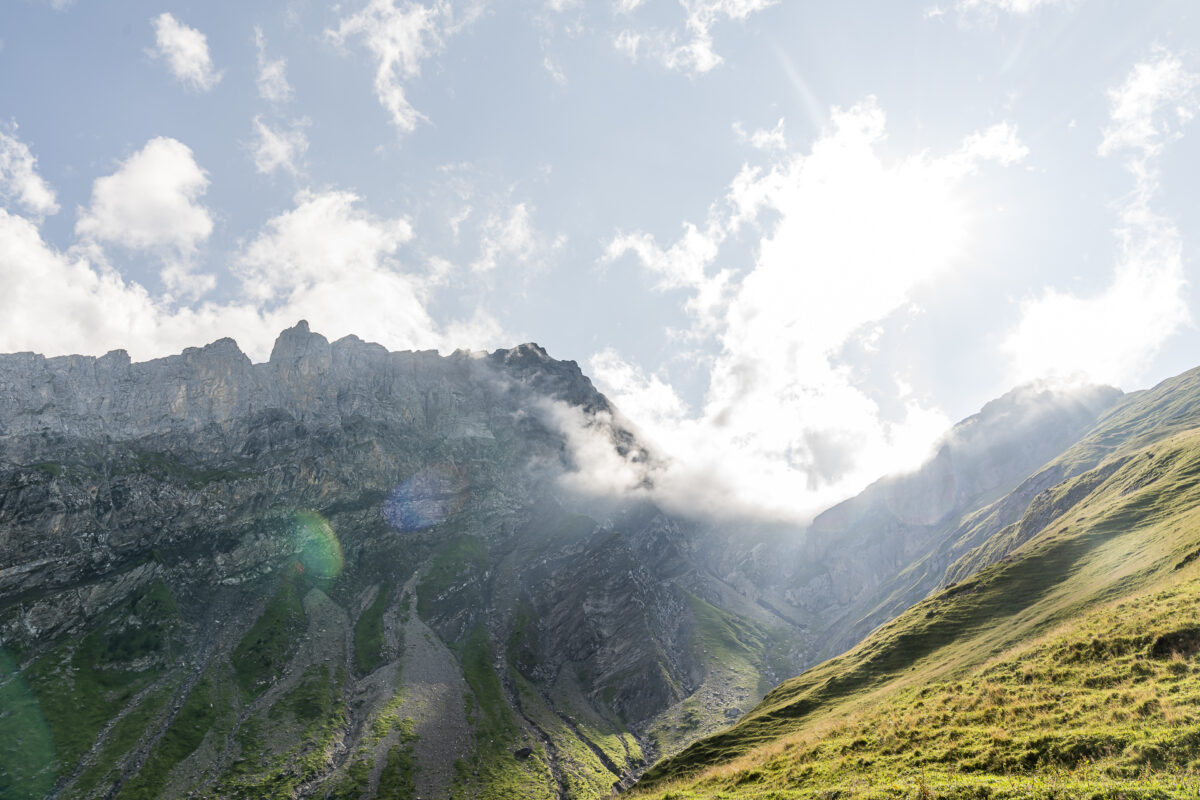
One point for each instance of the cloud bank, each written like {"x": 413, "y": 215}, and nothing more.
{"x": 843, "y": 236}
{"x": 326, "y": 260}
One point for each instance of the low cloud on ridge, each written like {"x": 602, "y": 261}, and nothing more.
{"x": 843, "y": 238}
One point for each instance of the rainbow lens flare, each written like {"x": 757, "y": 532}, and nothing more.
{"x": 320, "y": 553}
{"x": 427, "y": 498}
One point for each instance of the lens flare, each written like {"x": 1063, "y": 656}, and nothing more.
{"x": 427, "y": 498}
{"x": 26, "y": 744}
{"x": 320, "y": 552}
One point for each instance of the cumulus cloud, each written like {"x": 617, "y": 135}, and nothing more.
{"x": 279, "y": 148}
{"x": 185, "y": 50}
{"x": 845, "y": 237}
{"x": 271, "y": 76}
{"x": 399, "y": 39}
{"x": 152, "y": 203}
{"x": 1110, "y": 337}
{"x": 325, "y": 260}
{"x": 691, "y": 50}
{"x": 59, "y": 303}
{"x": 19, "y": 179}
{"x": 325, "y": 237}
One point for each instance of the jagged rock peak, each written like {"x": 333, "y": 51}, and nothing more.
{"x": 222, "y": 351}
{"x": 562, "y": 379}
{"x": 298, "y": 344}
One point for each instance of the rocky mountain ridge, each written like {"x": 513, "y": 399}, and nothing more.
{"x": 340, "y": 569}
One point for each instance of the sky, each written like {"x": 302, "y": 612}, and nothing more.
{"x": 793, "y": 241}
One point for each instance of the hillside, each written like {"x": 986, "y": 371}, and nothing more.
{"x": 1064, "y": 666}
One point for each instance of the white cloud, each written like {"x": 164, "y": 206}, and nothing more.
{"x": 510, "y": 238}
{"x": 399, "y": 39}
{"x": 152, "y": 203}
{"x": 768, "y": 140}
{"x": 598, "y": 468}
{"x": 684, "y": 265}
{"x": 19, "y": 179}
{"x": 1112, "y": 336}
{"x": 1148, "y": 108}
{"x": 555, "y": 70}
{"x": 279, "y": 148}
{"x": 326, "y": 236}
{"x": 691, "y": 50}
{"x": 338, "y": 266}
{"x": 326, "y": 260}
{"x": 186, "y": 52}
{"x": 846, "y": 236}
{"x": 998, "y": 143}
{"x": 271, "y": 76}
{"x": 55, "y": 303}
{"x": 627, "y": 43}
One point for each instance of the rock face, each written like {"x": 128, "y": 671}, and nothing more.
{"x": 343, "y": 573}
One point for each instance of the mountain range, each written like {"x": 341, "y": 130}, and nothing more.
{"x": 350, "y": 573}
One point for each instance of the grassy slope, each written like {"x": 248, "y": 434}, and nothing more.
{"x": 1131, "y": 538}
{"x": 495, "y": 774}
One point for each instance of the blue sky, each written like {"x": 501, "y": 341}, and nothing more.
{"x": 792, "y": 240}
